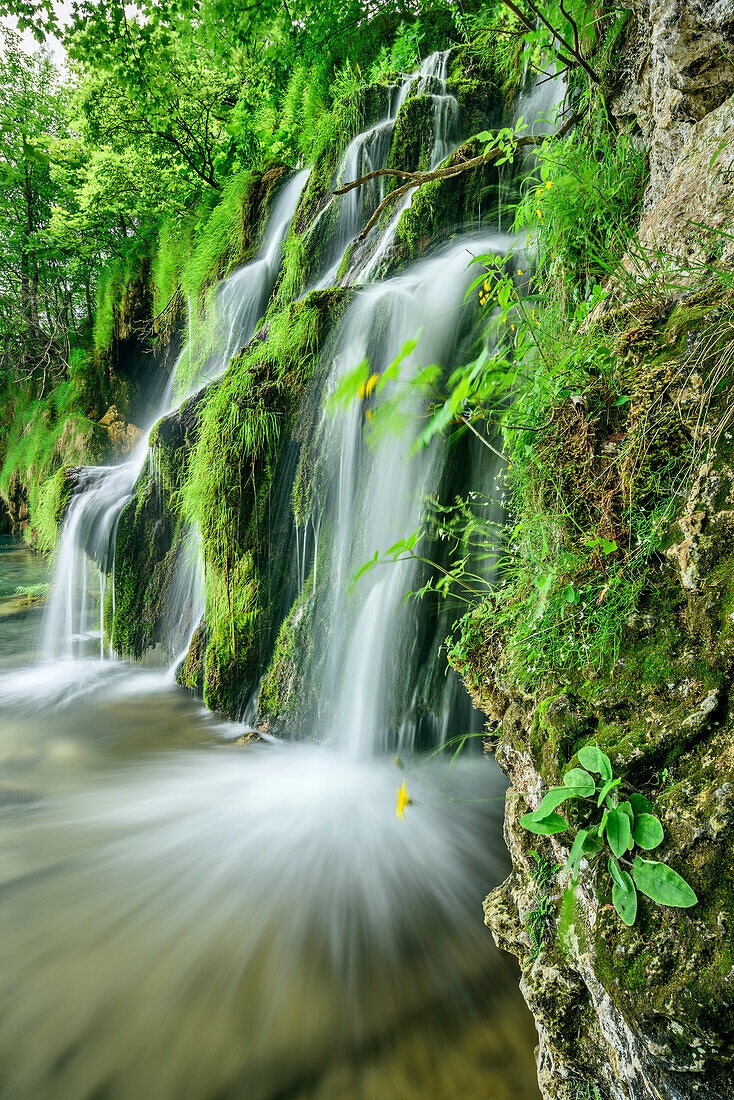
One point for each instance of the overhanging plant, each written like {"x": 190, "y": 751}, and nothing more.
{"x": 620, "y": 823}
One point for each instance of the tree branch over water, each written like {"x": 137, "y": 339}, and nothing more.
{"x": 417, "y": 179}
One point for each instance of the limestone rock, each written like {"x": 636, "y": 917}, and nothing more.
{"x": 122, "y": 435}
{"x": 699, "y": 192}
{"x": 675, "y": 68}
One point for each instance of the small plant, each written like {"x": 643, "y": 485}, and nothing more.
{"x": 33, "y": 592}
{"x": 537, "y": 917}
{"x": 621, "y": 824}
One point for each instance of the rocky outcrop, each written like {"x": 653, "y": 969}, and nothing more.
{"x": 122, "y": 435}
{"x": 643, "y": 1012}
{"x": 691, "y": 222}
{"x": 676, "y": 66}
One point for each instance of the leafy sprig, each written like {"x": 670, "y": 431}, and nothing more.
{"x": 623, "y": 824}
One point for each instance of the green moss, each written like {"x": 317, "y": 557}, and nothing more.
{"x": 54, "y": 495}
{"x": 245, "y": 424}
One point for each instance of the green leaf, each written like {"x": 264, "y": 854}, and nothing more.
{"x": 639, "y": 803}
{"x": 624, "y": 895}
{"x": 365, "y": 568}
{"x": 618, "y": 831}
{"x": 553, "y": 823}
{"x": 626, "y": 808}
{"x": 592, "y": 846}
{"x": 648, "y": 832}
{"x": 602, "y": 824}
{"x": 594, "y": 760}
{"x": 606, "y": 789}
{"x": 554, "y": 798}
{"x": 580, "y": 782}
{"x": 662, "y": 884}
{"x": 574, "y": 856}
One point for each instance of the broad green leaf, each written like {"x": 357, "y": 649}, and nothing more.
{"x": 580, "y": 782}
{"x": 606, "y": 789}
{"x": 662, "y": 883}
{"x": 592, "y": 846}
{"x": 648, "y": 832}
{"x": 618, "y": 831}
{"x": 626, "y": 808}
{"x": 553, "y": 823}
{"x": 594, "y": 760}
{"x": 574, "y": 856}
{"x": 365, "y": 568}
{"x": 614, "y": 869}
{"x": 639, "y": 803}
{"x": 624, "y": 896}
{"x": 554, "y": 798}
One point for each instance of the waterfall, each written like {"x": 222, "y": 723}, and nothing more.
{"x": 368, "y": 152}
{"x": 185, "y": 919}
{"x": 87, "y": 536}
{"x": 377, "y": 495}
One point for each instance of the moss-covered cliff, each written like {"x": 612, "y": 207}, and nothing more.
{"x": 615, "y": 626}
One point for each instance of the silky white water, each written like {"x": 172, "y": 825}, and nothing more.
{"x": 87, "y": 538}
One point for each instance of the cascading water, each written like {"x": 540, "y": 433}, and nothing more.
{"x": 87, "y": 538}
{"x": 182, "y": 918}
{"x": 368, "y": 152}
{"x": 377, "y": 496}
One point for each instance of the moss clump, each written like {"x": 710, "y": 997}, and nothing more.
{"x": 412, "y": 142}
{"x": 53, "y": 500}
{"x": 247, "y": 420}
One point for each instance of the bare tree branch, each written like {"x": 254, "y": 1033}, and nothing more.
{"x": 417, "y": 179}
{"x": 573, "y": 50}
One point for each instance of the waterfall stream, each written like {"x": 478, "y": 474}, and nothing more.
{"x": 183, "y": 918}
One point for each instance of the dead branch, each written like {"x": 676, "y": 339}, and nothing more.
{"x": 417, "y": 179}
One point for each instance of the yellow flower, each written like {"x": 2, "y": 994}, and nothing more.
{"x": 371, "y": 383}
{"x": 403, "y": 801}
{"x": 512, "y": 327}
{"x": 539, "y": 192}
{"x": 548, "y": 185}
{"x": 520, "y": 271}
{"x": 539, "y": 213}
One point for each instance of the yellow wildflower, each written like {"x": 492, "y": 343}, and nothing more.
{"x": 403, "y": 801}
{"x": 539, "y": 192}
{"x": 539, "y": 212}
{"x": 371, "y": 383}
{"x": 548, "y": 185}
{"x": 512, "y": 327}
{"x": 520, "y": 271}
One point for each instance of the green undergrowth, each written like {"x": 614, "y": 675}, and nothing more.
{"x": 45, "y": 437}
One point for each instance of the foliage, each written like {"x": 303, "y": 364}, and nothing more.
{"x": 616, "y": 823}
{"x": 580, "y": 208}
{"x": 537, "y": 918}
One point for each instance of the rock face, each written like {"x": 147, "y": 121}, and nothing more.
{"x": 690, "y": 223}
{"x": 122, "y": 435}
{"x": 677, "y": 65}
{"x": 647, "y": 1011}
